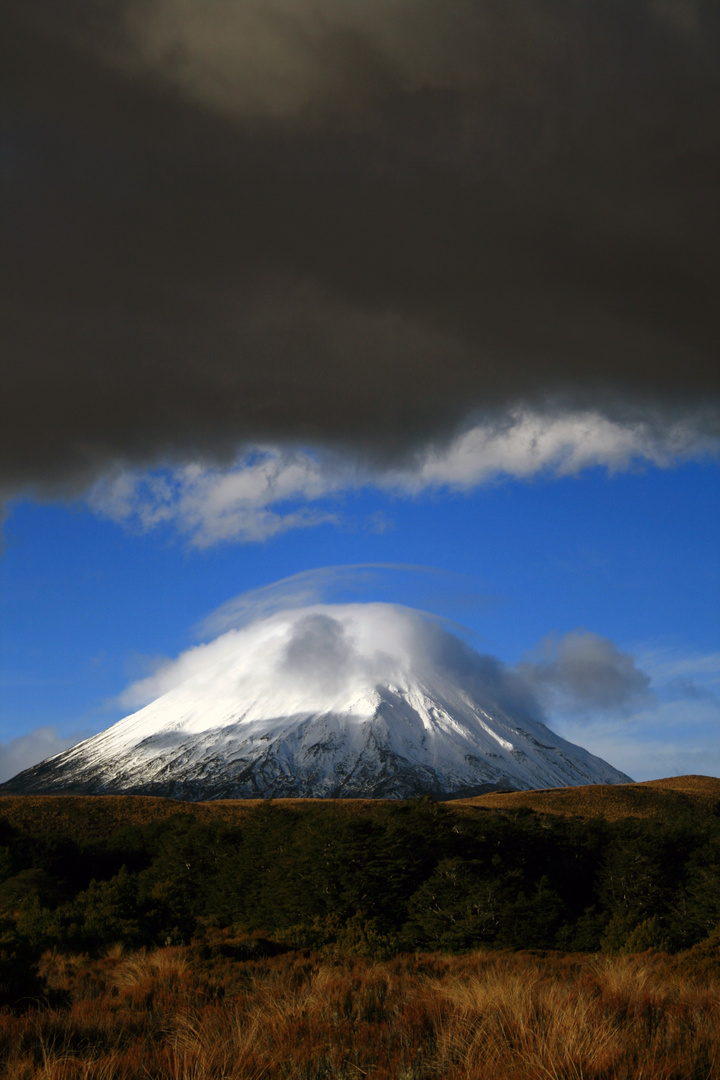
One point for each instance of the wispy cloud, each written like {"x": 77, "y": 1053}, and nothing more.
{"x": 670, "y": 664}
{"x": 325, "y": 584}
{"x": 648, "y": 748}
{"x": 270, "y": 490}
{"x": 40, "y": 743}
{"x": 265, "y": 493}
{"x": 525, "y": 444}
{"x": 669, "y": 731}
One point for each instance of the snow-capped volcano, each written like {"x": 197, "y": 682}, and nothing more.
{"x": 361, "y": 700}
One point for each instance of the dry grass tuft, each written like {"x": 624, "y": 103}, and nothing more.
{"x": 160, "y": 964}
{"x": 168, "y": 1015}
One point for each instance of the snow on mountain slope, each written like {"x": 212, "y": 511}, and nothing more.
{"x": 362, "y": 700}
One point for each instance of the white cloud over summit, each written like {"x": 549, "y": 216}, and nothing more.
{"x": 650, "y": 713}
{"x": 322, "y": 650}
{"x": 318, "y": 650}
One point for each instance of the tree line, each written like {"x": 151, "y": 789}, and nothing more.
{"x": 406, "y": 876}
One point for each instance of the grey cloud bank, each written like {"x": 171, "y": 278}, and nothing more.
{"x": 350, "y": 224}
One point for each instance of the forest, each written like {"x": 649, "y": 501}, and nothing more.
{"x": 395, "y": 909}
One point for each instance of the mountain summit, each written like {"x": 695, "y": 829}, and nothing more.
{"x": 341, "y": 701}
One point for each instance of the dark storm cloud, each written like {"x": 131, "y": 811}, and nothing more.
{"x": 348, "y": 223}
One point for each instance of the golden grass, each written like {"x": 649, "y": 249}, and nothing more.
{"x": 166, "y": 965}
{"x": 93, "y": 816}
{"x": 99, "y": 815}
{"x": 651, "y": 798}
{"x": 619, "y": 1020}
{"x": 167, "y": 1015}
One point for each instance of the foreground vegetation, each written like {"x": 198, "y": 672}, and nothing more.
{"x": 514, "y": 936}
{"x": 379, "y": 878}
{"x": 198, "y": 1013}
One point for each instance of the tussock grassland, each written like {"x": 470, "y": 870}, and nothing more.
{"x": 97, "y": 816}
{"x": 142, "y": 939}
{"x": 649, "y": 799}
{"x": 169, "y": 1014}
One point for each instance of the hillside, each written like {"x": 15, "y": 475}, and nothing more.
{"x": 99, "y": 815}
{"x": 584, "y": 870}
{"x": 652, "y": 798}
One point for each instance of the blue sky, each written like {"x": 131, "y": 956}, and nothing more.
{"x": 90, "y": 605}
{"x": 300, "y": 284}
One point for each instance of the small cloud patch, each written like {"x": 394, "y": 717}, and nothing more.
{"x": 584, "y": 671}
